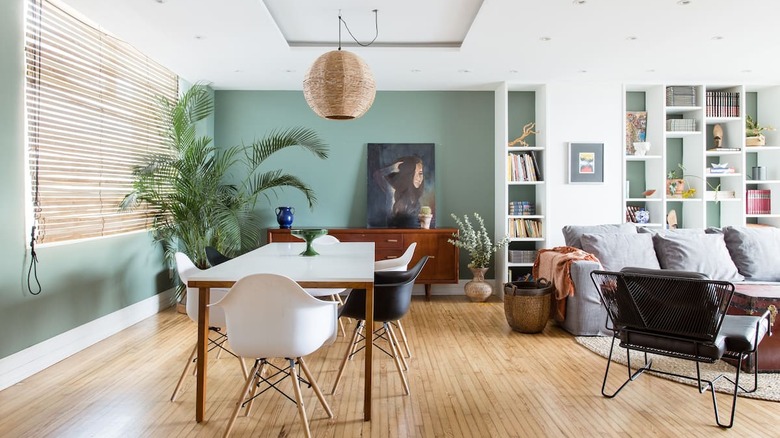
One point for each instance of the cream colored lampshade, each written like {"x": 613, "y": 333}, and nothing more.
{"x": 339, "y": 86}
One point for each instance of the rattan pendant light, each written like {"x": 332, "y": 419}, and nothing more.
{"x": 339, "y": 85}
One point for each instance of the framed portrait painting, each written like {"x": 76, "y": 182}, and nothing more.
{"x": 400, "y": 183}
{"x": 586, "y": 163}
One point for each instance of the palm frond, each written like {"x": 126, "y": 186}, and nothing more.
{"x": 281, "y": 139}
{"x": 276, "y": 179}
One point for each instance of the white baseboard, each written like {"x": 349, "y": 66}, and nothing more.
{"x": 21, "y": 365}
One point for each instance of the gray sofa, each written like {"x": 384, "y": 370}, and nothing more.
{"x": 736, "y": 254}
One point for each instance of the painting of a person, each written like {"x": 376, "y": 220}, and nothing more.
{"x": 400, "y": 181}
{"x": 404, "y": 179}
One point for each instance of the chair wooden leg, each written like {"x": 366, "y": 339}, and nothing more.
{"x": 255, "y": 381}
{"x": 244, "y": 371}
{"x": 299, "y": 399}
{"x": 348, "y": 353}
{"x": 184, "y": 373}
{"x": 244, "y": 390}
{"x": 315, "y": 387}
{"x": 396, "y": 353}
{"x": 403, "y": 337}
{"x": 394, "y": 338}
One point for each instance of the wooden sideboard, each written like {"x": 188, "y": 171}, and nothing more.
{"x": 443, "y": 261}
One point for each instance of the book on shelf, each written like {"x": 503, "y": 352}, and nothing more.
{"x": 721, "y": 171}
{"x": 722, "y": 104}
{"x": 711, "y": 195}
{"x": 522, "y": 167}
{"x": 520, "y": 208}
{"x": 525, "y": 228}
{"x": 724, "y": 149}
{"x": 758, "y": 201}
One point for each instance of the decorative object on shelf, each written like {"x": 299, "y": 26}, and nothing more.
{"x": 753, "y": 132}
{"x": 425, "y": 217}
{"x": 676, "y": 183}
{"x": 284, "y": 216}
{"x": 642, "y": 216}
{"x": 759, "y": 173}
{"x": 586, "y": 163}
{"x": 480, "y": 249}
{"x": 478, "y": 289}
{"x": 636, "y": 130}
{"x": 717, "y": 135}
{"x": 641, "y": 148}
{"x": 671, "y": 220}
{"x": 527, "y": 305}
{"x": 309, "y": 234}
{"x": 400, "y": 181}
{"x": 339, "y": 85}
{"x": 528, "y": 130}
{"x": 648, "y": 193}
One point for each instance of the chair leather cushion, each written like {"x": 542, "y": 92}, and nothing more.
{"x": 648, "y": 340}
{"x": 739, "y": 332}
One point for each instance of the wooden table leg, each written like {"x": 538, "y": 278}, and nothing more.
{"x": 204, "y": 295}
{"x": 369, "y": 351}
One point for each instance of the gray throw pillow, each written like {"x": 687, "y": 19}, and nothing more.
{"x": 704, "y": 253}
{"x": 573, "y": 233}
{"x": 652, "y": 230}
{"x": 755, "y": 251}
{"x": 616, "y": 251}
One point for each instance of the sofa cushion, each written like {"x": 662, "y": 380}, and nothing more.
{"x": 705, "y": 253}
{"x": 616, "y": 251}
{"x": 573, "y": 233}
{"x": 651, "y": 230}
{"x": 755, "y": 251}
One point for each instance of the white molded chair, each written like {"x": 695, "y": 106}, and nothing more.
{"x": 398, "y": 264}
{"x": 271, "y": 316}
{"x": 186, "y": 268}
{"x": 334, "y": 294}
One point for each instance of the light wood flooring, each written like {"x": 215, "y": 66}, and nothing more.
{"x": 470, "y": 376}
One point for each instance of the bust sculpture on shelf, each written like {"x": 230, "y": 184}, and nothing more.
{"x": 717, "y": 136}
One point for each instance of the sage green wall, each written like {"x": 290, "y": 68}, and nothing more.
{"x": 81, "y": 282}
{"x": 460, "y": 124}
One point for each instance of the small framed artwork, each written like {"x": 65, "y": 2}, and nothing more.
{"x": 586, "y": 163}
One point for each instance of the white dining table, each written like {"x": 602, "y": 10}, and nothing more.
{"x": 338, "y": 265}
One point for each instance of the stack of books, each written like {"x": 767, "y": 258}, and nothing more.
{"x": 525, "y": 228}
{"x": 681, "y": 96}
{"x": 521, "y": 208}
{"x": 681, "y": 124}
{"x": 719, "y": 169}
{"x": 759, "y": 201}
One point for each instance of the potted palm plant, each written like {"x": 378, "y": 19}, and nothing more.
{"x": 196, "y": 198}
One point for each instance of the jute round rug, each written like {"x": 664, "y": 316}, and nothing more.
{"x": 768, "y": 383}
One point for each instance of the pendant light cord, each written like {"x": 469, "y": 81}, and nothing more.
{"x": 376, "y": 23}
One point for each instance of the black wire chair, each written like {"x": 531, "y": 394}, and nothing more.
{"x": 680, "y": 315}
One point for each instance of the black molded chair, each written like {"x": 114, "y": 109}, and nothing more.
{"x": 215, "y": 257}
{"x": 392, "y": 298}
{"x": 680, "y": 315}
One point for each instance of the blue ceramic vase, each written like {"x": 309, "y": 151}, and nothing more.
{"x": 284, "y": 215}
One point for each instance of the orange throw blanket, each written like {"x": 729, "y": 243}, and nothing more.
{"x": 555, "y": 265}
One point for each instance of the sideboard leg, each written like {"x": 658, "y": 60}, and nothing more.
{"x": 427, "y": 291}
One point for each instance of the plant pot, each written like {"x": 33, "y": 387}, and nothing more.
{"x": 478, "y": 289}
{"x": 675, "y": 187}
{"x": 425, "y": 220}
{"x": 758, "y": 140}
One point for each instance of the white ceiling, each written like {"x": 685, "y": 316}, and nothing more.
{"x": 237, "y": 44}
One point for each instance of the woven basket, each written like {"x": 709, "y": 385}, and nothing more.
{"x": 527, "y": 305}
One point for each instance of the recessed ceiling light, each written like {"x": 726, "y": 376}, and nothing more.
{"x": 717, "y": 38}
{"x": 747, "y": 71}
{"x": 650, "y": 70}
{"x": 289, "y": 70}
{"x": 545, "y": 38}
{"x": 579, "y": 2}
{"x": 632, "y": 38}
{"x": 514, "y": 71}
{"x": 582, "y": 71}
{"x": 199, "y": 37}
{"x": 160, "y": 1}
{"x": 464, "y": 70}
{"x": 236, "y": 71}
{"x": 684, "y": 2}
{"x": 416, "y": 70}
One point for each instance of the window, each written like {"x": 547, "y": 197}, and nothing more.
{"x": 92, "y": 112}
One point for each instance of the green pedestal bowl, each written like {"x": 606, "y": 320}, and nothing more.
{"x": 309, "y": 234}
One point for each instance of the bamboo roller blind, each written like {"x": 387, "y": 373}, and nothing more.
{"x": 93, "y": 113}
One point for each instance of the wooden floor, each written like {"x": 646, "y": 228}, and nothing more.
{"x": 470, "y": 376}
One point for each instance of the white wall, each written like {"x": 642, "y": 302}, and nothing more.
{"x": 583, "y": 112}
